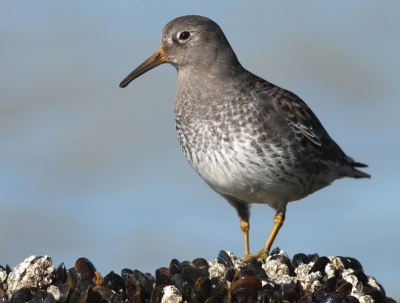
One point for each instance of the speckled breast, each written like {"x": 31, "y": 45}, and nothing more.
{"x": 238, "y": 159}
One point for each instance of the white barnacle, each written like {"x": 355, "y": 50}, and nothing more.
{"x": 278, "y": 271}
{"x": 285, "y": 279}
{"x": 55, "y": 291}
{"x": 312, "y": 282}
{"x": 374, "y": 283}
{"x": 366, "y": 299}
{"x": 337, "y": 262}
{"x": 171, "y": 295}
{"x": 237, "y": 262}
{"x": 330, "y": 270}
{"x": 217, "y": 270}
{"x": 275, "y": 267}
{"x": 348, "y": 275}
{"x": 309, "y": 281}
{"x": 3, "y": 275}
{"x": 33, "y": 272}
{"x": 302, "y": 271}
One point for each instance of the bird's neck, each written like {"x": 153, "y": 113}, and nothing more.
{"x": 200, "y": 91}
{"x": 213, "y": 77}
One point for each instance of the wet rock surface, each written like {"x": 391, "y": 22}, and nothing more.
{"x": 302, "y": 278}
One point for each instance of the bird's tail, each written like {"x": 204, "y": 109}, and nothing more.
{"x": 349, "y": 169}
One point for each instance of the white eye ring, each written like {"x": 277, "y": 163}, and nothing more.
{"x": 184, "y": 36}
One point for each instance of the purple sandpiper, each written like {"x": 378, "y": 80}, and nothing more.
{"x": 250, "y": 140}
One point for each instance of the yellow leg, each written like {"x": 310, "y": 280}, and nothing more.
{"x": 245, "y": 227}
{"x": 263, "y": 253}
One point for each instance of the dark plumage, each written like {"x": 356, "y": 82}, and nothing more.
{"x": 250, "y": 140}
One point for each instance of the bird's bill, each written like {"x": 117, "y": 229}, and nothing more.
{"x": 159, "y": 57}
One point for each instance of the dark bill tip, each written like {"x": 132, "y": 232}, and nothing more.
{"x": 159, "y": 57}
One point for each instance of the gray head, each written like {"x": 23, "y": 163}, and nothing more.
{"x": 190, "y": 42}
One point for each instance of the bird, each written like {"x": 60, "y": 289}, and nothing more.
{"x": 250, "y": 140}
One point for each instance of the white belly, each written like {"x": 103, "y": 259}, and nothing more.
{"x": 233, "y": 166}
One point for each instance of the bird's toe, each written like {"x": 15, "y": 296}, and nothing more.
{"x": 261, "y": 254}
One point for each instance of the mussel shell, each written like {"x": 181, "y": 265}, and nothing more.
{"x": 203, "y": 286}
{"x": 224, "y": 259}
{"x": 375, "y": 294}
{"x": 214, "y": 299}
{"x": 8, "y": 269}
{"x": 361, "y": 276}
{"x": 195, "y": 296}
{"x": 163, "y": 276}
{"x": 191, "y": 271}
{"x": 346, "y": 263}
{"x": 219, "y": 287}
{"x": 288, "y": 293}
{"x": 150, "y": 275}
{"x": 246, "y": 288}
{"x": 299, "y": 259}
{"x": 174, "y": 268}
{"x": 65, "y": 291}
{"x": 40, "y": 291}
{"x": 60, "y": 275}
{"x": 145, "y": 281}
{"x": 114, "y": 299}
{"x": 87, "y": 296}
{"x": 74, "y": 297}
{"x": 21, "y": 296}
{"x": 352, "y": 263}
{"x": 114, "y": 282}
{"x": 85, "y": 269}
{"x": 203, "y": 265}
{"x": 275, "y": 251}
{"x": 36, "y": 299}
{"x": 127, "y": 274}
{"x": 84, "y": 284}
{"x": 352, "y": 299}
{"x": 306, "y": 298}
{"x": 228, "y": 298}
{"x": 230, "y": 274}
{"x": 2, "y": 296}
{"x": 266, "y": 298}
{"x": 383, "y": 291}
{"x": 50, "y": 299}
{"x": 266, "y": 293}
{"x": 345, "y": 288}
{"x": 327, "y": 286}
{"x": 183, "y": 284}
{"x": 243, "y": 272}
{"x": 255, "y": 261}
{"x": 130, "y": 289}
{"x": 105, "y": 293}
{"x": 320, "y": 265}
{"x": 330, "y": 297}
{"x": 72, "y": 278}
{"x": 256, "y": 270}
{"x": 140, "y": 296}
{"x": 313, "y": 257}
{"x": 157, "y": 294}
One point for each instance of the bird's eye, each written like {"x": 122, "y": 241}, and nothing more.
{"x": 184, "y": 36}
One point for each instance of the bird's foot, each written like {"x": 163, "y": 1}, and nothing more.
{"x": 261, "y": 254}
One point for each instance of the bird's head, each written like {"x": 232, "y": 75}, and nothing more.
{"x": 190, "y": 42}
